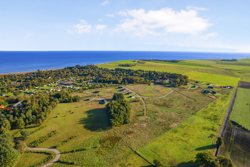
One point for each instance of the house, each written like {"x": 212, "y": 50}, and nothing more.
{"x": 18, "y": 104}
{"x": 2, "y": 107}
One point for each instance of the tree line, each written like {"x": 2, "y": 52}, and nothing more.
{"x": 91, "y": 74}
{"x": 32, "y": 111}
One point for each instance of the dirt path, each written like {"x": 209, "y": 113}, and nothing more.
{"x": 141, "y": 98}
{"x": 55, "y": 151}
{"x": 160, "y": 97}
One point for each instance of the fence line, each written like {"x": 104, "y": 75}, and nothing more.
{"x": 225, "y": 124}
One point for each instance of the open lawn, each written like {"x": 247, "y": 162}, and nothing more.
{"x": 149, "y": 90}
{"x": 241, "y": 110}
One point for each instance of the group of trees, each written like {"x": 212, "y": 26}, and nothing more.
{"x": 8, "y": 154}
{"x": 65, "y": 97}
{"x": 33, "y": 110}
{"x": 91, "y": 73}
{"x": 118, "y": 110}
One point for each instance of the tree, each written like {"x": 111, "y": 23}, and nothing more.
{"x": 8, "y": 155}
{"x": 4, "y": 126}
{"x": 219, "y": 142}
{"x": 19, "y": 123}
{"x": 24, "y": 134}
{"x": 118, "y": 110}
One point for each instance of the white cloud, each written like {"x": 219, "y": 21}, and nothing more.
{"x": 168, "y": 20}
{"x": 105, "y": 2}
{"x": 196, "y": 8}
{"x": 110, "y": 15}
{"x": 82, "y": 27}
{"x": 100, "y": 27}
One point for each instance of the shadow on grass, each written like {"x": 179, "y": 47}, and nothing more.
{"x": 74, "y": 151}
{"x": 96, "y": 120}
{"x": 187, "y": 164}
{"x": 208, "y": 147}
{"x": 31, "y": 126}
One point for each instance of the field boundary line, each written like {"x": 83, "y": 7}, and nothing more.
{"x": 225, "y": 124}
{"x": 170, "y": 92}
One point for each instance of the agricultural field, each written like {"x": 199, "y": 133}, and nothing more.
{"x": 207, "y": 71}
{"x": 241, "y": 110}
{"x": 85, "y": 138}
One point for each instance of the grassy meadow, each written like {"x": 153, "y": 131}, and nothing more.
{"x": 179, "y": 122}
{"x": 84, "y": 137}
{"x": 198, "y": 133}
{"x": 207, "y": 71}
{"x": 241, "y": 110}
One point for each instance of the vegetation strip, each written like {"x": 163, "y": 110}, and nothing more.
{"x": 55, "y": 151}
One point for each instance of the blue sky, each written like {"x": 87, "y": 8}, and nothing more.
{"x": 148, "y": 25}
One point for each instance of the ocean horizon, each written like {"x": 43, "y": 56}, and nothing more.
{"x": 27, "y": 61}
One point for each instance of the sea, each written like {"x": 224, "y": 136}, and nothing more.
{"x": 22, "y": 61}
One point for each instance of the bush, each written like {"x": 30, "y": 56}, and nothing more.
{"x": 42, "y": 139}
{"x": 206, "y": 160}
{"x": 225, "y": 162}
{"x": 20, "y": 146}
{"x": 24, "y": 134}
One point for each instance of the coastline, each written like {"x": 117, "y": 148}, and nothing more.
{"x": 15, "y": 62}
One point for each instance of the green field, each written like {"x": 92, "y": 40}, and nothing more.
{"x": 179, "y": 122}
{"x": 208, "y": 71}
{"x": 84, "y": 137}
{"x": 198, "y": 133}
{"x": 241, "y": 110}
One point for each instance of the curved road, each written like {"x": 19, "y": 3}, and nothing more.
{"x": 55, "y": 151}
